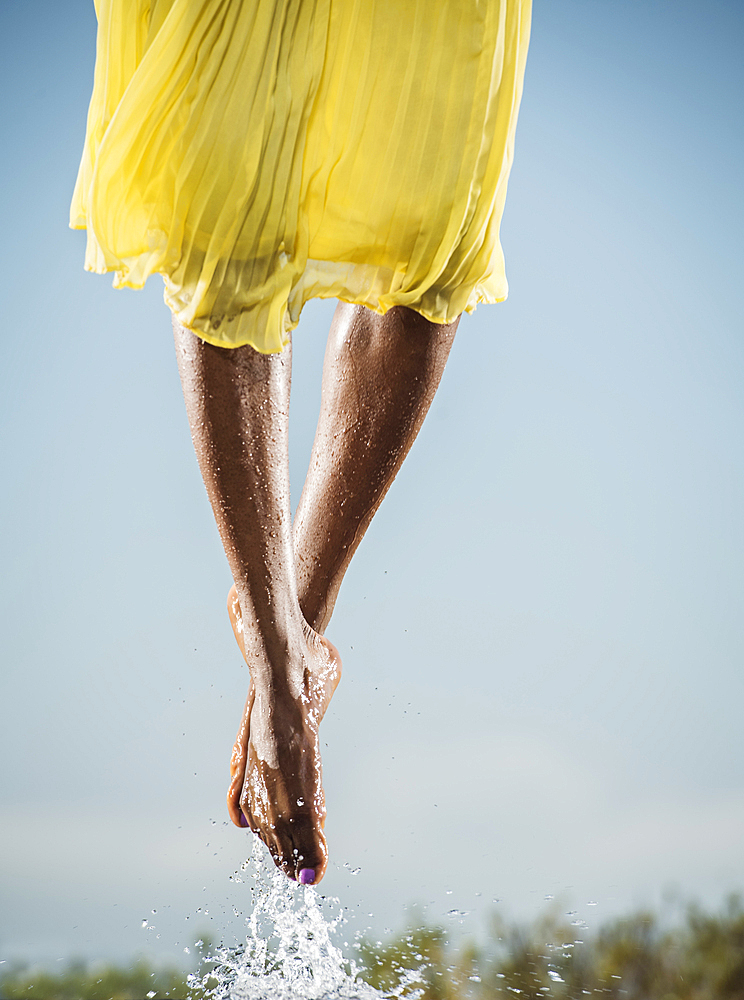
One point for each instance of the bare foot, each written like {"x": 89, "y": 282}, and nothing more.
{"x": 275, "y": 769}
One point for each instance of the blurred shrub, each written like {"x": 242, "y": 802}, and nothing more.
{"x": 79, "y": 982}
{"x": 630, "y": 958}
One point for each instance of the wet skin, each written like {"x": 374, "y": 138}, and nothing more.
{"x": 379, "y": 378}
{"x": 284, "y": 805}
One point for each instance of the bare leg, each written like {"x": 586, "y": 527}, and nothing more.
{"x": 379, "y": 378}
{"x": 237, "y": 403}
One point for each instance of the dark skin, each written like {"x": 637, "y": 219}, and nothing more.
{"x": 379, "y": 378}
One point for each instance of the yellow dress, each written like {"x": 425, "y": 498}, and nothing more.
{"x": 259, "y": 153}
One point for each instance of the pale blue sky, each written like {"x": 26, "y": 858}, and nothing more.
{"x": 542, "y": 630}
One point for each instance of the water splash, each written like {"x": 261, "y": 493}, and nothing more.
{"x": 289, "y": 951}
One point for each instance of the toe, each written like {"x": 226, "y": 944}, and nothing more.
{"x": 280, "y": 858}
{"x": 309, "y": 850}
{"x": 233, "y": 800}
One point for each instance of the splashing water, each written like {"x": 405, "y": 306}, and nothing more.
{"x": 289, "y": 951}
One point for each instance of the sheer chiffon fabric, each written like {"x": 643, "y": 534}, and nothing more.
{"x": 259, "y": 153}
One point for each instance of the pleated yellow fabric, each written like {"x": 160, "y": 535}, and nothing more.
{"x": 259, "y": 153}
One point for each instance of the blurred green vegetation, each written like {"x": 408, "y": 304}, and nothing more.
{"x": 104, "y": 981}
{"x": 638, "y": 957}
{"x": 700, "y": 957}
{"x": 79, "y": 982}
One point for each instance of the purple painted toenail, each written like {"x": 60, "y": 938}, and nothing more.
{"x": 243, "y": 820}
{"x": 307, "y": 876}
